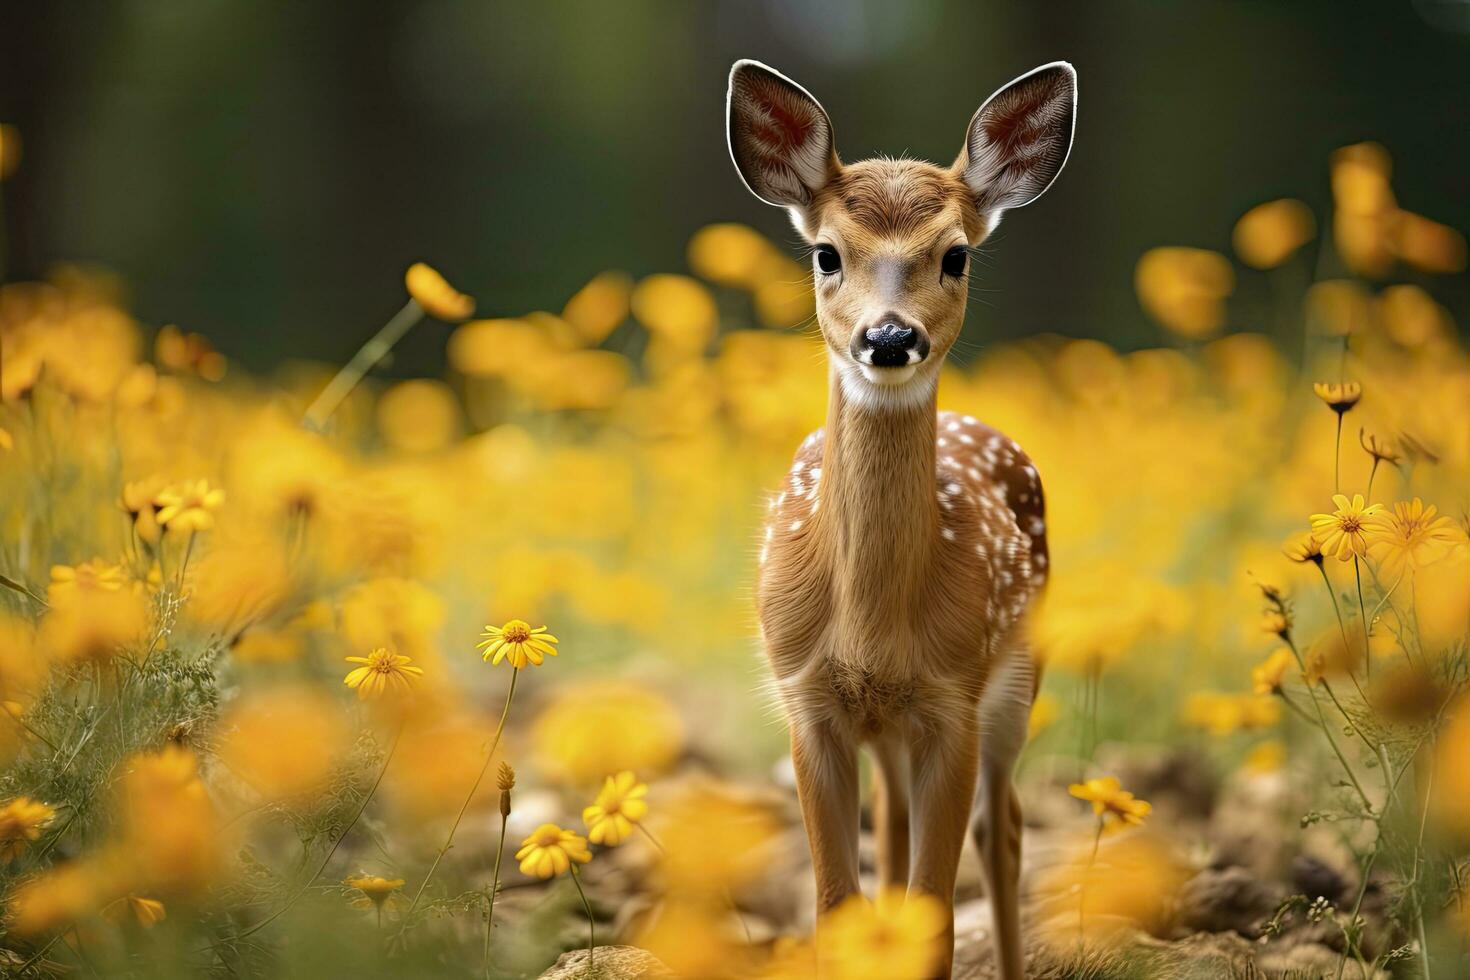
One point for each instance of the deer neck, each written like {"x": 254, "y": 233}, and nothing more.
{"x": 879, "y": 505}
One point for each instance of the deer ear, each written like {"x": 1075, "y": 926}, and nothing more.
{"x": 1019, "y": 139}
{"x": 780, "y": 137}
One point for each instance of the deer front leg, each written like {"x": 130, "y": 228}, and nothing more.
{"x": 827, "y": 786}
{"x": 943, "y": 788}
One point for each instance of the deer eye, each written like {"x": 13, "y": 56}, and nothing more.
{"x": 828, "y": 261}
{"x": 953, "y": 263}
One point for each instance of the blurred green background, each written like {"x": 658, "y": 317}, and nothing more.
{"x": 263, "y": 172}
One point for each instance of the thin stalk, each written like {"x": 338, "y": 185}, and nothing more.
{"x": 1082, "y": 891}
{"x": 333, "y": 849}
{"x": 188, "y": 550}
{"x": 1337, "y": 456}
{"x": 1327, "y": 731}
{"x": 368, "y": 355}
{"x": 1363, "y": 612}
{"x": 494, "y": 891}
{"x": 591, "y": 923}
{"x": 449, "y": 841}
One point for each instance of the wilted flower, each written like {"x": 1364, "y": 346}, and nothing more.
{"x": 517, "y": 642}
{"x": 618, "y": 807}
{"x": 1109, "y": 799}
{"x": 550, "y": 851}
{"x": 435, "y": 295}
{"x": 1380, "y": 450}
{"x": 21, "y": 822}
{"x": 146, "y": 912}
{"x": 1304, "y": 548}
{"x": 505, "y": 781}
{"x": 1268, "y": 676}
{"x": 1340, "y": 397}
{"x": 1344, "y": 532}
{"x": 381, "y": 671}
{"x": 189, "y": 506}
{"x": 376, "y": 890}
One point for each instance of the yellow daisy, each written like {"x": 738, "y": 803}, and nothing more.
{"x": 517, "y": 642}
{"x": 1410, "y": 538}
{"x": 620, "y": 805}
{"x": 380, "y": 671}
{"x": 21, "y": 822}
{"x": 189, "y": 506}
{"x": 1344, "y": 532}
{"x": 549, "y": 851}
{"x": 1109, "y": 799}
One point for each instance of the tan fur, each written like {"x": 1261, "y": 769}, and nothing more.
{"x": 902, "y": 552}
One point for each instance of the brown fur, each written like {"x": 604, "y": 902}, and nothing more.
{"x": 901, "y": 555}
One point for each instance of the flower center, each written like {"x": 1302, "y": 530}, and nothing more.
{"x": 546, "y": 838}
{"x": 1351, "y": 525}
{"x": 517, "y": 632}
{"x": 382, "y": 663}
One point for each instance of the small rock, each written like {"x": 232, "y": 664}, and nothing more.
{"x": 1315, "y": 878}
{"x": 1227, "y": 900}
{"x": 611, "y": 963}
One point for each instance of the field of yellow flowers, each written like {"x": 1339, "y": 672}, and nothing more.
{"x": 321, "y": 674}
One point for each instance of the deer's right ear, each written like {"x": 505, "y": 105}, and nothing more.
{"x": 780, "y": 137}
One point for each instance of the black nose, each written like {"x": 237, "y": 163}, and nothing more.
{"x": 892, "y": 343}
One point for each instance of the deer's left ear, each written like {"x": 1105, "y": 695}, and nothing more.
{"x": 1019, "y": 139}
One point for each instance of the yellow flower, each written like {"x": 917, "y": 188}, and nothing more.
{"x": 1344, "y": 532}
{"x": 1304, "y": 548}
{"x": 1221, "y": 714}
{"x": 147, "y": 912}
{"x": 435, "y": 295}
{"x": 21, "y": 821}
{"x": 381, "y": 670}
{"x": 188, "y": 353}
{"x": 140, "y": 501}
{"x": 1276, "y": 622}
{"x": 377, "y": 889}
{"x": 1044, "y": 711}
{"x": 1338, "y": 397}
{"x": 1185, "y": 289}
{"x": 549, "y": 851}
{"x": 189, "y": 506}
{"x": 618, "y": 807}
{"x": 1268, "y": 234}
{"x": 7, "y": 441}
{"x": 897, "y": 938}
{"x": 1267, "y": 757}
{"x": 1268, "y": 676}
{"x": 517, "y": 642}
{"x": 1410, "y": 538}
{"x": 1109, "y": 799}
{"x": 69, "y": 581}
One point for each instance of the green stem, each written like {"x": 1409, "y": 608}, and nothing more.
{"x": 494, "y": 891}
{"x": 1337, "y": 458}
{"x": 369, "y": 354}
{"x": 449, "y": 841}
{"x": 333, "y": 849}
{"x": 591, "y": 923}
{"x": 1363, "y": 612}
{"x": 1327, "y": 731}
{"x": 188, "y": 550}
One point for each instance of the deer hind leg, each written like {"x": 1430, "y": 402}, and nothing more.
{"x": 827, "y": 787}
{"x": 891, "y": 810}
{"x": 1004, "y": 712}
{"x": 942, "y": 786}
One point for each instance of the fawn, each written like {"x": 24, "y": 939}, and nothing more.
{"x": 902, "y": 554}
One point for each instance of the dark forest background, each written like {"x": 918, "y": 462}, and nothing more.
{"x": 263, "y": 172}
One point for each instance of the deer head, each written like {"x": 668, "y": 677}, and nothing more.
{"x": 891, "y": 239}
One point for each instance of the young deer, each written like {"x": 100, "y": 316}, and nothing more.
{"x": 901, "y": 557}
